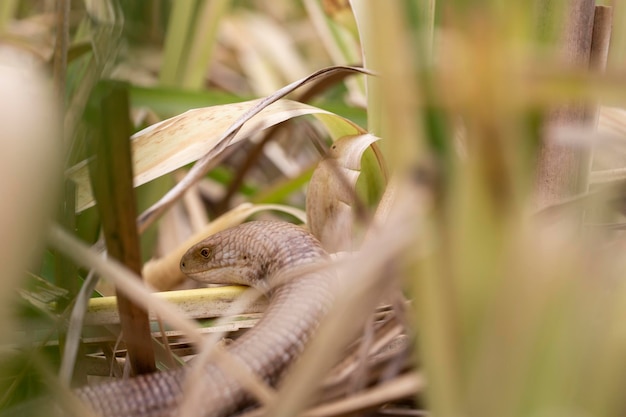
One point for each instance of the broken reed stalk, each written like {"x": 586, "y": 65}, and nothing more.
{"x": 563, "y": 170}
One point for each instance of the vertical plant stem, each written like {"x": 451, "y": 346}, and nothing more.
{"x": 365, "y": 23}
{"x": 339, "y": 43}
{"x": 113, "y": 187}
{"x": 562, "y": 170}
{"x": 602, "y": 25}
{"x": 178, "y": 28}
{"x": 599, "y": 52}
{"x": 203, "y": 42}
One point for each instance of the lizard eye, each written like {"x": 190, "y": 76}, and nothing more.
{"x": 205, "y": 253}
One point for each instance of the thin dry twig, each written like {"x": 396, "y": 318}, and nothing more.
{"x": 401, "y": 387}
{"x": 123, "y": 278}
{"x": 378, "y": 352}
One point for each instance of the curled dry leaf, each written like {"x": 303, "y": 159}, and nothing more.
{"x": 180, "y": 140}
{"x": 331, "y": 194}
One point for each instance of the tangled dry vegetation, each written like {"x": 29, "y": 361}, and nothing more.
{"x": 463, "y": 159}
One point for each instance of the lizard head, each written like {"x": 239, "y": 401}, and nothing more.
{"x": 249, "y": 254}
{"x": 215, "y": 261}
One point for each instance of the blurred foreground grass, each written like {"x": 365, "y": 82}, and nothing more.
{"x": 487, "y": 112}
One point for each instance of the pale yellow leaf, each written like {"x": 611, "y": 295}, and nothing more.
{"x": 198, "y": 303}
{"x": 180, "y": 140}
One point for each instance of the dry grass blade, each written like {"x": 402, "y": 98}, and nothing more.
{"x": 175, "y": 142}
{"x": 75, "y": 326}
{"x": 211, "y": 158}
{"x": 382, "y": 359}
{"x": 201, "y": 48}
{"x": 563, "y": 171}
{"x": 125, "y": 280}
{"x": 269, "y": 57}
{"x": 401, "y": 387}
{"x": 339, "y": 40}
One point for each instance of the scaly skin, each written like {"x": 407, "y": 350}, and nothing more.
{"x": 258, "y": 254}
